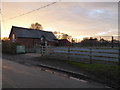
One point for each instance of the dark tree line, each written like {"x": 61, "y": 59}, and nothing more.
{"x": 95, "y": 42}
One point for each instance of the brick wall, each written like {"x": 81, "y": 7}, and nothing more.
{"x": 28, "y": 42}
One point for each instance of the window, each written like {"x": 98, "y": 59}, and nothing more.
{"x": 13, "y": 38}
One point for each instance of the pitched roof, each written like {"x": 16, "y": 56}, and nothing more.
{"x": 31, "y": 33}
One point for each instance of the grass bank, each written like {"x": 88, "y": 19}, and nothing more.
{"x": 102, "y": 70}
{"x": 107, "y": 73}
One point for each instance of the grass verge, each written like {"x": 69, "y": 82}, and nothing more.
{"x": 103, "y": 70}
{"x": 106, "y": 73}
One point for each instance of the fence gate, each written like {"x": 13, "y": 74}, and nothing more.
{"x": 43, "y": 50}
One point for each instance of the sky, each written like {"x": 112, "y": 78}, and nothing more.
{"x": 78, "y": 19}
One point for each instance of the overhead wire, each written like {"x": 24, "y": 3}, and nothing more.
{"x": 31, "y": 11}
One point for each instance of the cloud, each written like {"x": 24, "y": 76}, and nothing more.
{"x": 101, "y": 33}
{"x": 76, "y": 19}
{"x": 104, "y": 33}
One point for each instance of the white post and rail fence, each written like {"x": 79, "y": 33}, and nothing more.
{"x": 89, "y": 55}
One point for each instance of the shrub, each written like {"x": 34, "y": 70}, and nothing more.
{"x": 9, "y": 47}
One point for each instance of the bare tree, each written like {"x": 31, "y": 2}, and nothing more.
{"x": 65, "y": 36}
{"x": 36, "y": 26}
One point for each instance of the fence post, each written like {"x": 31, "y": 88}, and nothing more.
{"x": 91, "y": 55}
{"x": 119, "y": 51}
{"x": 68, "y": 52}
{"x": 41, "y": 50}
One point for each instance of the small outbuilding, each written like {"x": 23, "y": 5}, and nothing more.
{"x": 63, "y": 42}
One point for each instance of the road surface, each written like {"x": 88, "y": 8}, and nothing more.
{"x": 16, "y": 75}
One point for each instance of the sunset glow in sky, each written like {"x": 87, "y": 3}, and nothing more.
{"x": 76, "y": 19}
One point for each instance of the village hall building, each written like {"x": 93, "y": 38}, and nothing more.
{"x": 32, "y": 37}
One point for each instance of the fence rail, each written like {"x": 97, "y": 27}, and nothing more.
{"x": 92, "y": 55}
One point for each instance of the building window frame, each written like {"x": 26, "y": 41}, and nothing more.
{"x": 13, "y": 37}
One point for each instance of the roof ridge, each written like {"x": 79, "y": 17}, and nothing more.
{"x": 30, "y": 29}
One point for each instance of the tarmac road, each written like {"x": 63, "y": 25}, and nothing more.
{"x": 16, "y": 75}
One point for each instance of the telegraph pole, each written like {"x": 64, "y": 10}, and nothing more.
{"x": 112, "y": 42}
